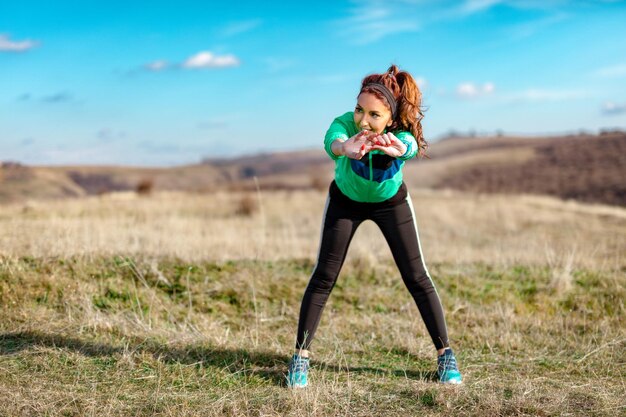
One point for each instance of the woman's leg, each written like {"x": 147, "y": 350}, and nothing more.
{"x": 400, "y": 230}
{"x": 338, "y": 227}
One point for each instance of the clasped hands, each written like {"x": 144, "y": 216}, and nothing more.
{"x": 364, "y": 141}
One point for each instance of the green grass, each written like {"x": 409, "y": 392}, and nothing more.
{"x": 120, "y": 336}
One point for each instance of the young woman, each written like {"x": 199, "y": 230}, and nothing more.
{"x": 369, "y": 147}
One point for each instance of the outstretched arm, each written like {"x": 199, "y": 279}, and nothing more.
{"x": 390, "y": 145}
{"x": 355, "y": 147}
{"x": 338, "y": 144}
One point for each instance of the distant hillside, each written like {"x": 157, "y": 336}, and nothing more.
{"x": 291, "y": 170}
{"x": 587, "y": 168}
{"x": 19, "y": 182}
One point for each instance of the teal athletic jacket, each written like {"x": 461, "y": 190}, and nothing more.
{"x": 377, "y": 176}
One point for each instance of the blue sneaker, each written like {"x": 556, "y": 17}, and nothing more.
{"x": 447, "y": 368}
{"x": 298, "y": 372}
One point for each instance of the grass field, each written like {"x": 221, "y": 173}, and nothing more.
{"x": 175, "y": 305}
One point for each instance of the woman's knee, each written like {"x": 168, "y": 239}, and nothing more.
{"x": 420, "y": 283}
{"x": 323, "y": 279}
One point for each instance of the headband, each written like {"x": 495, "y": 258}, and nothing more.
{"x": 382, "y": 89}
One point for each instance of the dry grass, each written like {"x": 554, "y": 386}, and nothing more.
{"x": 174, "y": 305}
{"x": 454, "y": 227}
{"x": 116, "y": 336}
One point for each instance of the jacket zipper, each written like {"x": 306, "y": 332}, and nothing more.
{"x": 369, "y": 188}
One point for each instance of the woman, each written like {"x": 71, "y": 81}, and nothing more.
{"x": 369, "y": 147}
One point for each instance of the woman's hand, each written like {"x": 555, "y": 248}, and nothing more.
{"x": 355, "y": 147}
{"x": 389, "y": 144}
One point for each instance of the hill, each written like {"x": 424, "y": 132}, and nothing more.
{"x": 586, "y": 168}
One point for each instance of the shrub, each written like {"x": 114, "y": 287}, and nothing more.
{"x": 248, "y": 205}
{"x": 145, "y": 186}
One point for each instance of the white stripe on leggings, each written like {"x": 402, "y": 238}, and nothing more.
{"x": 319, "y": 248}
{"x": 419, "y": 244}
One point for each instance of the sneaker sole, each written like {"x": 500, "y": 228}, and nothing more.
{"x": 451, "y": 382}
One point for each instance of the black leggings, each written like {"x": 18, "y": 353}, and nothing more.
{"x": 397, "y": 222}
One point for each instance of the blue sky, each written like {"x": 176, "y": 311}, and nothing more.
{"x": 167, "y": 83}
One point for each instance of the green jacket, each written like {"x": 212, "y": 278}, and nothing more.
{"x": 374, "y": 178}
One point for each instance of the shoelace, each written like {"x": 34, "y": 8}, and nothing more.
{"x": 447, "y": 363}
{"x": 299, "y": 364}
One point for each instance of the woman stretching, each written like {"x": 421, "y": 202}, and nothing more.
{"x": 369, "y": 147}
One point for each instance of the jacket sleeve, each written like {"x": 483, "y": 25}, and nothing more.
{"x": 411, "y": 145}
{"x": 338, "y": 130}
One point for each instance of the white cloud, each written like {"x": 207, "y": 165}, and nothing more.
{"x": 489, "y": 88}
{"x": 371, "y": 20}
{"x": 476, "y": 6}
{"x": 473, "y": 6}
{"x": 469, "y": 90}
{"x": 368, "y": 21}
{"x": 421, "y": 83}
{"x": 237, "y": 28}
{"x": 552, "y": 12}
{"x": 538, "y": 94}
{"x": 203, "y": 59}
{"x": 618, "y": 70}
{"x": 8, "y": 45}
{"x": 611, "y": 108}
{"x": 472, "y": 90}
{"x": 206, "y": 59}
{"x": 156, "y": 65}
{"x": 527, "y": 29}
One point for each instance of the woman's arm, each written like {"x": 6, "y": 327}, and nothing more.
{"x": 338, "y": 142}
{"x": 410, "y": 143}
{"x": 336, "y": 147}
{"x": 390, "y": 145}
{"x": 337, "y": 133}
{"x": 354, "y": 148}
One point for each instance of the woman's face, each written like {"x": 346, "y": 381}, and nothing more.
{"x": 371, "y": 113}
